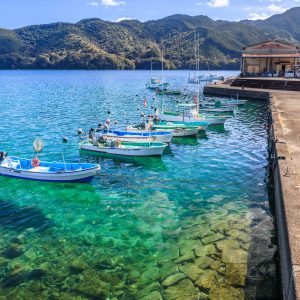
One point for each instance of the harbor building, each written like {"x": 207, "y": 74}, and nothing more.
{"x": 270, "y": 59}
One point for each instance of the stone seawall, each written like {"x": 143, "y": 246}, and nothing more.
{"x": 285, "y": 108}
{"x": 235, "y": 92}
{"x": 284, "y": 149}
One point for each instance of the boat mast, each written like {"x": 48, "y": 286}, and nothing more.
{"x": 197, "y": 53}
{"x": 162, "y": 71}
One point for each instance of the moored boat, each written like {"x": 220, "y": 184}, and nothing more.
{"x": 22, "y": 168}
{"x": 138, "y": 136}
{"x": 193, "y": 120}
{"x": 178, "y": 130}
{"x": 124, "y": 148}
{"x": 155, "y": 83}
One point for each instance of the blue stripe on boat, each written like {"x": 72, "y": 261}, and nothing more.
{"x": 122, "y": 133}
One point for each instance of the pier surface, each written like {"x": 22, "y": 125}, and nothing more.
{"x": 286, "y": 121}
{"x": 285, "y": 138}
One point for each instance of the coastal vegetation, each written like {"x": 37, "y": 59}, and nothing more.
{"x": 131, "y": 44}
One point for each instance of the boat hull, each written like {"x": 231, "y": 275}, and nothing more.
{"x": 177, "y": 132}
{"x": 134, "y": 151}
{"x": 218, "y": 110}
{"x": 140, "y": 138}
{"x": 182, "y": 132}
{"x": 192, "y": 120}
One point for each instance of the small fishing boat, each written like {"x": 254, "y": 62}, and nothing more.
{"x": 190, "y": 115}
{"x": 124, "y": 148}
{"x": 178, "y": 130}
{"x": 22, "y": 168}
{"x": 156, "y": 83}
{"x": 138, "y": 136}
{"x": 205, "y": 78}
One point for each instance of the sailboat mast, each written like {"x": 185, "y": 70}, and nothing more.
{"x": 162, "y": 71}
{"x": 197, "y": 45}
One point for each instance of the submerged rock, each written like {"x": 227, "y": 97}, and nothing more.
{"x": 149, "y": 276}
{"x": 153, "y": 287}
{"x": 14, "y": 279}
{"x": 192, "y": 271}
{"x": 184, "y": 290}
{"x": 167, "y": 269}
{"x": 204, "y": 262}
{"x": 235, "y": 256}
{"x": 226, "y": 292}
{"x": 90, "y": 285}
{"x": 237, "y": 234}
{"x": 169, "y": 253}
{"x": 187, "y": 257}
{"x": 173, "y": 279}
{"x": 205, "y": 250}
{"x": 37, "y": 273}
{"x": 77, "y": 266}
{"x": 13, "y": 251}
{"x": 186, "y": 246}
{"x": 153, "y": 296}
{"x": 212, "y": 238}
{"x": 208, "y": 279}
{"x": 218, "y": 266}
{"x": 133, "y": 276}
{"x": 20, "y": 239}
{"x": 236, "y": 274}
{"x": 228, "y": 244}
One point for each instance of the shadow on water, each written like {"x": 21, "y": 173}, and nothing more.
{"x": 14, "y": 217}
{"x": 262, "y": 267}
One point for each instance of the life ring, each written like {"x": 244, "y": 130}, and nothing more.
{"x": 35, "y": 162}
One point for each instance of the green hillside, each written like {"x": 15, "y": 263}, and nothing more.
{"x": 130, "y": 44}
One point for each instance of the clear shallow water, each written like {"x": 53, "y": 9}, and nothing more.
{"x": 195, "y": 224}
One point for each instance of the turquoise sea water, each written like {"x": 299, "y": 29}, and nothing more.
{"x": 194, "y": 224}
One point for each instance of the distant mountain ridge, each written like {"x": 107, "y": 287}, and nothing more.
{"x": 131, "y": 44}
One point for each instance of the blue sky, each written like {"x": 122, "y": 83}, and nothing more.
{"x": 18, "y": 13}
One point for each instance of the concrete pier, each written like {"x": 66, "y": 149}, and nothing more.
{"x": 286, "y": 169}
{"x": 285, "y": 163}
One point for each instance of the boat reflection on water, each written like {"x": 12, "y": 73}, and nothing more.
{"x": 58, "y": 192}
{"x": 191, "y": 141}
{"x": 217, "y": 128}
{"x": 149, "y": 163}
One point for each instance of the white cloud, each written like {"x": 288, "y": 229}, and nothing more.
{"x": 277, "y": 9}
{"x": 257, "y": 16}
{"x": 93, "y": 3}
{"x": 218, "y": 3}
{"x": 123, "y": 19}
{"x": 108, "y": 3}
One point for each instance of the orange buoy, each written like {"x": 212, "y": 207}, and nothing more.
{"x": 35, "y": 162}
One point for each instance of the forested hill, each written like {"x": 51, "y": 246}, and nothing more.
{"x": 131, "y": 44}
